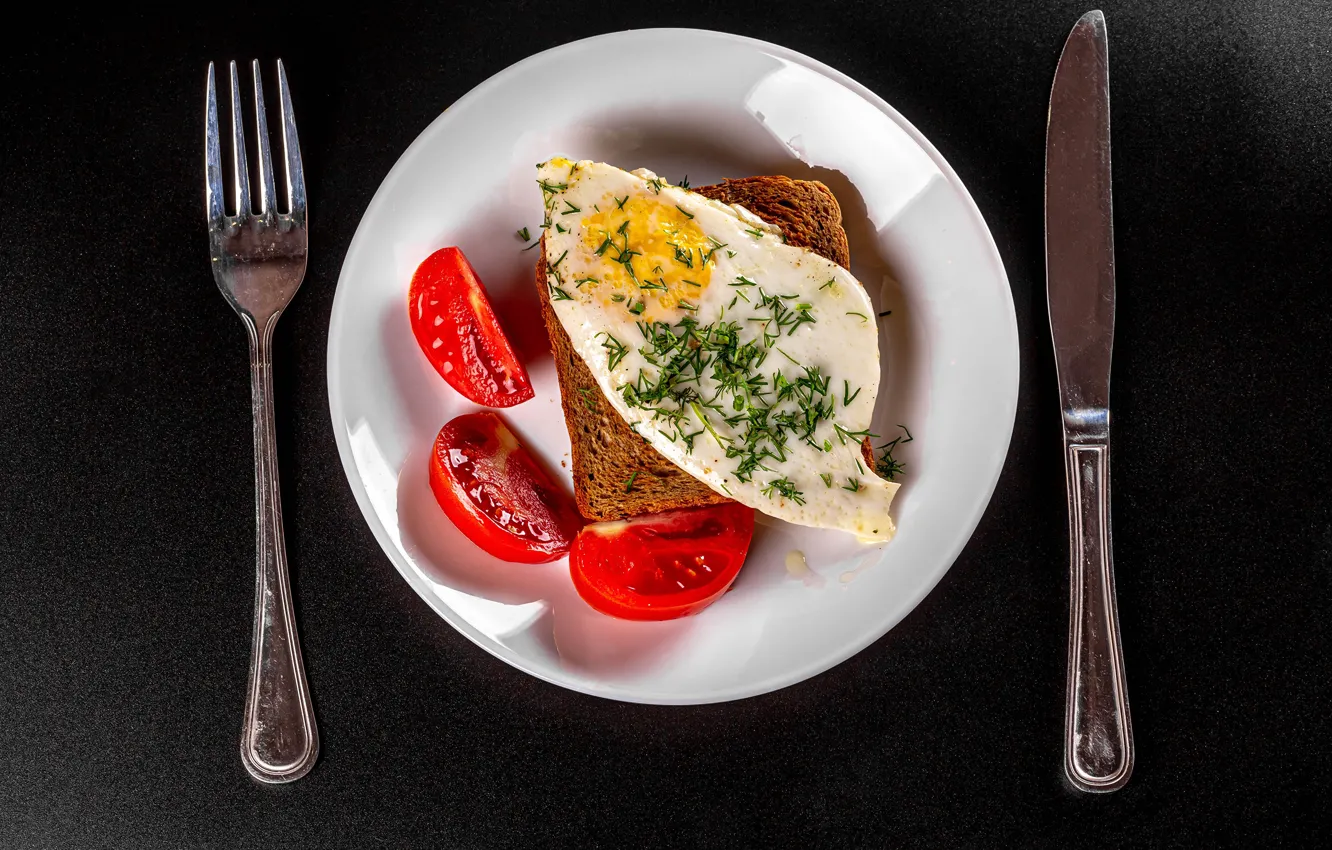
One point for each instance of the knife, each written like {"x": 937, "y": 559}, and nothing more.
{"x": 1080, "y": 288}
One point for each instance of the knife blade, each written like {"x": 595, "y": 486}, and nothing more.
{"x": 1080, "y": 290}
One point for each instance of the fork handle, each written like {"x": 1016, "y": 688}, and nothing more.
{"x": 279, "y": 742}
{"x": 1098, "y": 739}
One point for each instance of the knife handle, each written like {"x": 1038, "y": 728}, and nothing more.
{"x": 1098, "y": 737}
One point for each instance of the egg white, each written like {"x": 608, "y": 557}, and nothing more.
{"x": 604, "y": 304}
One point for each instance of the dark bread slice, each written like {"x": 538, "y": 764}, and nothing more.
{"x": 805, "y": 210}
{"x": 617, "y": 473}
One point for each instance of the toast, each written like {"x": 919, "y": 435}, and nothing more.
{"x": 616, "y": 472}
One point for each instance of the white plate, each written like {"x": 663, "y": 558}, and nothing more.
{"x": 707, "y": 105}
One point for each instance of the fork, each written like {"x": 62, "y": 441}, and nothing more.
{"x": 259, "y": 261}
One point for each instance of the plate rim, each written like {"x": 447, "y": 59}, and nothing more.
{"x": 591, "y": 687}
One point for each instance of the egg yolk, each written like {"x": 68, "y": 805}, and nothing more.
{"x": 647, "y": 251}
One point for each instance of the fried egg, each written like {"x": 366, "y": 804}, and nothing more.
{"x": 751, "y": 364}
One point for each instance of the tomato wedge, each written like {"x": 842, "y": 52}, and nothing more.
{"x": 497, "y": 494}
{"x": 661, "y": 566}
{"x": 457, "y": 329}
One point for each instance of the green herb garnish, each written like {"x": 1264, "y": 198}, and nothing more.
{"x": 716, "y": 246}
{"x": 784, "y": 487}
{"x": 854, "y": 436}
{"x": 887, "y": 466}
{"x": 616, "y": 349}
{"x": 707, "y": 423}
{"x": 847, "y": 395}
{"x": 712, "y": 374}
{"x": 683, "y": 257}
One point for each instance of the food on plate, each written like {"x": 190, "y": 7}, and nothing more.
{"x": 661, "y": 566}
{"x": 497, "y": 494}
{"x": 460, "y": 335}
{"x": 712, "y": 344}
{"x": 714, "y": 356}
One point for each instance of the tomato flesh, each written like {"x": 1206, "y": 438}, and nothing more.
{"x": 497, "y": 494}
{"x": 460, "y": 334}
{"x": 661, "y": 566}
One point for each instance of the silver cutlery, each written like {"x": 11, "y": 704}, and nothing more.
{"x": 1080, "y": 286}
{"x": 259, "y": 262}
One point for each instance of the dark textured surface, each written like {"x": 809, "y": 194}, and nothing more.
{"x": 126, "y": 551}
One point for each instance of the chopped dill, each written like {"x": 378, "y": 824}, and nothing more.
{"x": 847, "y": 395}
{"x": 784, "y": 487}
{"x": 888, "y": 466}
{"x": 616, "y": 350}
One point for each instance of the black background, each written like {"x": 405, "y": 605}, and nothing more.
{"x": 126, "y": 544}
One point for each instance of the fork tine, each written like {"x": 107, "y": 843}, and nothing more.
{"x": 212, "y": 153}
{"x": 267, "y": 195}
{"x": 291, "y": 146}
{"x": 242, "y": 182}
